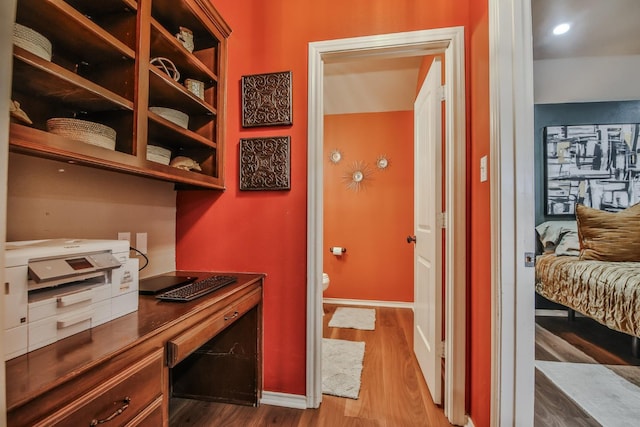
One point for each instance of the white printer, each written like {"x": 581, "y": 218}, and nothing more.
{"x": 59, "y": 287}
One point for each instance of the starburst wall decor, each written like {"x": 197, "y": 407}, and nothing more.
{"x": 266, "y": 99}
{"x": 335, "y": 156}
{"x": 357, "y": 176}
{"x": 382, "y": 162}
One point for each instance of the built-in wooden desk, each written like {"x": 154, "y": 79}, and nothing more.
{"x": 210, "y": 348}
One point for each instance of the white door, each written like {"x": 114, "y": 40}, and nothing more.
{"x": 428, "y": 235}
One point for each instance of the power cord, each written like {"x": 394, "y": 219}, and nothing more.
{"x": 146, "y": 260}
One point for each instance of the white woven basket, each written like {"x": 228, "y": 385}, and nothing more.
{"x": 158, "y": 154}
{"x": 84, "y": 131}
{"x": 31, "y": 41}
{"x": 178, "y": 117}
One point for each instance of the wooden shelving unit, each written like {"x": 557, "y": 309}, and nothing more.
{"x": 100, "y": 71}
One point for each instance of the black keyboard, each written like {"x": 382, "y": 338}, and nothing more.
{"x": 197, "y": 289}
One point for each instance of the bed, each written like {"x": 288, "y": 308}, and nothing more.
{"x": 592, "y": 266}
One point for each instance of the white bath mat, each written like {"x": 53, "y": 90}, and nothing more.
{"x": 342, "y": 367}
{"x": 354, "y": 318}
{"x": 607, "y": 397}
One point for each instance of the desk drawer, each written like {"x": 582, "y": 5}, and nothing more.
{"x": 151, "y": 416}
{"x": 186, "y": 343}
{"x": 121, "y": 397}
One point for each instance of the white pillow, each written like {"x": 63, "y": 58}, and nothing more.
{"x": 569, "y": 244}
{"x": 551, "y": 232}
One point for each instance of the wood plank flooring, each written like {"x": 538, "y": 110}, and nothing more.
{"x": 580, "y": 341}
{"x": 393, "y": 391}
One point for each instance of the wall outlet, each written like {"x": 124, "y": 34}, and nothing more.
{"x": 124, "y": 235}
{"x": 141, "y": 242}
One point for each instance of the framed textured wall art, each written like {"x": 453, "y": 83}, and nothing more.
{"x": 265, "y": 163}
{"x": 266, "y": 99}
{"x": 595, "y": 165}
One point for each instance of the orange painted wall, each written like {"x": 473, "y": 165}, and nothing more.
{"x": 266, "y": 231}
{"x": 479, "y": 300}
{"x": 371, "y": 223}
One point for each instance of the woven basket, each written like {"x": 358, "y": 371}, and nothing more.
{"x": 178, "y": 117}
{"x": 84, "y": 131}
{"x": 158, "y": 154}
{"x": 31, "y": 41}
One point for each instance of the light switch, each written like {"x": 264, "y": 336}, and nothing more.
{"x": 483, "y": 168}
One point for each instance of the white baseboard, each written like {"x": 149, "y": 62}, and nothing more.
{"x": 283, "y": 399}
{"x": 366, "y": 302}
{"x": 296, "y": 401}
{"x": 554, "y": 313}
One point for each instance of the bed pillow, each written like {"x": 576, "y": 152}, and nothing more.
{"x": 551, "y": 234}
{"x": 569, "y": 244}
{"x": 609, "y": 236}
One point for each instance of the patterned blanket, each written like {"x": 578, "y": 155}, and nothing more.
{"x": 608, "y": 292}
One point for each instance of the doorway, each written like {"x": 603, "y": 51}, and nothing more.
{"x": 447, "y": 41}
{"x": 512, "y": 211}
{"x": 512, "y": 193}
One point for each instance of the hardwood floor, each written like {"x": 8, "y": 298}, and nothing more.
{"x": 606, "y": 346}
{"x": 580, "y": 341}
{"x": 393, "y": 391}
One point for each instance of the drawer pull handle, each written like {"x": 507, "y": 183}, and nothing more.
{"x": 233, "y": 316}
{"x": 75, "y": 298}
{"x": 65, "y": 322}
{"x": 120, "y": 410}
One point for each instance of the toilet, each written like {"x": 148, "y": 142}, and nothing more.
{"x": 325, "y": 281}
{"x": 325, "y": 285}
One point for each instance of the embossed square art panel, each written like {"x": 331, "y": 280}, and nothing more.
{"x": 264, "y": 163}
{"x": 266, "y": 99}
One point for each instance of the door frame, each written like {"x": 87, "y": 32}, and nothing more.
{"x": 512, "y": 212}
{"x": 7, "y": 18}
{"x": 449, "y": 41}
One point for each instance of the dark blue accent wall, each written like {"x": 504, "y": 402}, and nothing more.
{"x": 584, "y": 113}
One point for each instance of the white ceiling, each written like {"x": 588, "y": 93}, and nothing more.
{"x": 599, "y": 28}
{"x": 371, "y": 85}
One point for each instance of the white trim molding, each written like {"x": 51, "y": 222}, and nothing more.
{"x": 512, "y": 212}
{"x": 447, "y": 41}
{"x": 368, "y": 303}
{"x": 286, "y": 400}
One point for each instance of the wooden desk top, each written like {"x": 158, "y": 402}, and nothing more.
{"x": 39, "y": 371}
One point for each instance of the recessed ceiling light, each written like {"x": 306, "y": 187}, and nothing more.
{"x": 561, "y": 28}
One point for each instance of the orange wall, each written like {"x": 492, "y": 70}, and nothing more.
{"x": 266, "y": 231}
{"x": 371, "y": 223}
{"x": 479, "y": 301}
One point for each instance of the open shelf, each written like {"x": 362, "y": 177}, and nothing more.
{"x": 164, "y": 44}
{"x": 162, "y": 130}
{"x": 42, "y": 78}
{"x": 100, "y": 72}
{"x": 165, "y": 92}
{"x": 71, "y": 33}
{"x": 39, "y": 143}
